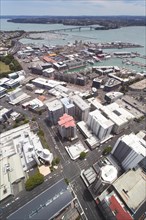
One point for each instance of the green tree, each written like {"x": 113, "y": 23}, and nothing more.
{"x": 82, "y": 155}
{"x": 34, "y": 181}
{"x": 57, "y": 160}
{"x": 107, "y": 150}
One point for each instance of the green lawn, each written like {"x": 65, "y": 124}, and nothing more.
{"x": 4, "y": 68}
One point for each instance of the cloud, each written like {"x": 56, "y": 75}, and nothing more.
{"x": 72, "y": 7}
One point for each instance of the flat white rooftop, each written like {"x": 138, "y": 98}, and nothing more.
{"x": 136, "y": 143}
{"x": 80, "y": 102}
{"x": 103, "y": 121}
{"x": 75, "y": 150}
{"x": 53, "y": 105}
{"x": 131, "y": 186}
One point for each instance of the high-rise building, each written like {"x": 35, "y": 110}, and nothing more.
{"x": 81, "y": 108}
{"x": 129, "y": 150}
{"x": 100, "y": 125}
{"x": 69, "y": 108}
{"x": 67, "y": 127}
{"x": 55, "y": 110}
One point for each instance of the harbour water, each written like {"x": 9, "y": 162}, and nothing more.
{"x": 133, "y": 34}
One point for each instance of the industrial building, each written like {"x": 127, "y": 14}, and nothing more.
{"x": 17, "y": 96}
{"x": 129, "y": 150}
{"x": 55, "y": 110}
{"x": 69, "y": 108}
{"x": 81, "y": 108}
{"x": 45, "y": 83}
{"x": 100, "y": 125}
{"x": 67, "y": 127}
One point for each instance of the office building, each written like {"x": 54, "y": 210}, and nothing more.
{"x": 129, "y": 150}
{"x": 69, "y": 108}
{"x": 100, "y": 125}
{"x": 81, "y": 108}
{"x": 55, "y": 110}
{"x": 67, "y": 127}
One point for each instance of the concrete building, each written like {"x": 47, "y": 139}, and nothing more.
{"x": 18, "y": 76}
{"x": 11, "y": 84}
{"x": 100, "y": 125}
{"x": 45, "y": 83}
{"x": 11, "y": 174}
{"x": 91, "y": 140}
{"x": 112, "y": 207}
{"x": 81, "y": 108}
{"x": 20, "y": 150}
{"x": 99, "y": 177}
{"x": 75, "y": 150}
{"x": 2, "y": 91}
{"x": 138, "y": 86}
{"x": 97, "y": 83}
{"x": 111, "y": 84}
{"x": 67, "y": 127}
{"x": 55, "y": 110}
{"x": 17, "y": 96}
{"x": 131, "y": 188}
{"x": 5, "y": 114}
{"x": 113, "y": 96}
{"x": 120, "y": 117}
{"x": 69, "y": 108}
{"x": 129, "y": 150}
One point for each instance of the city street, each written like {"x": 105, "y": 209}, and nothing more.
{"x": 67, "y": 168}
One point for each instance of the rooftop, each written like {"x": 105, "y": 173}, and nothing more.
{"x": 53, "y": 105}
{"x": 80, "y": 102}
{"x": 102, "y": 120}
{"x": 131, "y": 187}
{"x": 66, "y": 121}
{"x": 46, "y": 205}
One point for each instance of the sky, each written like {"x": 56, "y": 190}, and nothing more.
{"x": 73, "y": 7}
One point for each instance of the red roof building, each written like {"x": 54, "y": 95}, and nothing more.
{"x": 119, "y": 210}
{"x": 67, "y": 127}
